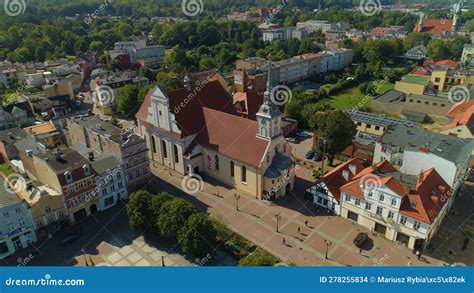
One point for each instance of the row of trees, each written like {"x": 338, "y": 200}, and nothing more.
{"x": 197, "y": 234}
{"x": 174, "y": 219}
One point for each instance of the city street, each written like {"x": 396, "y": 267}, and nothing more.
{"x": 256, "y": 221}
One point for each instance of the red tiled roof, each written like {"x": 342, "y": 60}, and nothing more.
{"x": 435, "y": 26}
{"x": 459, "y": 108}
{"x": 463, "y": 118}
{"x": 430, "y": 196}
{"x": 334, "y": 180}
{"x": 187, "y": 105}
{"x": 232, "y": 136}
{"x": 381, "y": 167}
{"x": 247, "y": 103}
{"x": 448, "y": 62}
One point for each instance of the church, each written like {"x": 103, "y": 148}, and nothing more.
{"x": 196, "y": 130}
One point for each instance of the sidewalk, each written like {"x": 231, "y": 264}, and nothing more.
{"x": 255, "y": 220}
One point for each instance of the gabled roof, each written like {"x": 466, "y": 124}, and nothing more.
{"x": 247, "y": 103}
{"x": 187, "y": 105}
{"x": 435, "y": 26}
{"x": 459, "y": 108}
{"x": 232, "y": 136}
{"x": 466, "y": 118}
{"x": 334, "y": 179}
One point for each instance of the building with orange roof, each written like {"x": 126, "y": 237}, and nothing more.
{"x": 197, "y": 130}
{"x": 325, "y": 191}
{"x": 462, "y": 125}
{"x": 45, "y": 133}
{"x": 403, "y": 208}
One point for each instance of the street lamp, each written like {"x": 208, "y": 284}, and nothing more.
{"x": 237, "y": 197}
{"x": 328, "y": 243}
{"x": 163, "y": 261}
{"x": 277, "y": 218}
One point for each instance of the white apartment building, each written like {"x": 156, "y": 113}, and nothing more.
{"x": 16, "y": 223}
{"x": 334, "y": 60}
{"x": 323, "y": 25}
{"x": 404, "y": 208}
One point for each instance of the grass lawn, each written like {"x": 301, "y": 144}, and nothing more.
{"x": 351, "y": 97}
{"x": 6, "y": 169}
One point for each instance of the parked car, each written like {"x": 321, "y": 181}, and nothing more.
{"x": 360, "y": 239}
{"x": 317, "y": 157}
{"x": 302, "y": 134}
{"x": 71, "y": 238}
{"x": 310, "y": 154}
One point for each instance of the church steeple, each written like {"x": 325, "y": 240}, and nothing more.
{"x": 269, "y": 115}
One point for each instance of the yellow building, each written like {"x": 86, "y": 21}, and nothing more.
{"x": 413, "y": 84}
{"x": 445, "y": 79}
{"x": 196, "y": 131}
{"x": 45, "y": 133}
{"x": 46, "y": 205}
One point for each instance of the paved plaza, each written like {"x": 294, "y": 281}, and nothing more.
{"x": 256, "y": 221}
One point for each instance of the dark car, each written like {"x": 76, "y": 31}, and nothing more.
{"x": 68, "y": 239}
{"x": 360, "y": 239}
{"x": 317, "y": 157}
{"x": 309, "y": 155}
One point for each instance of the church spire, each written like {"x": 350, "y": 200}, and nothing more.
{"x": 269, "y": 83}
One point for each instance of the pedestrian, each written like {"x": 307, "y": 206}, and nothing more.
{"x": 418, "y": 254}
{"x": 299, "y": 230}
{"x": 284, "y": 241}
{"x": 306, "y": 223}
{"x": 360, "y": 250}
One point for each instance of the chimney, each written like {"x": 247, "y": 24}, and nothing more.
{"x": 91, "y": 156}
{"x": 57, "y": 155}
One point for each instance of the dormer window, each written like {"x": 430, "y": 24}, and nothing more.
{"x": 68, "y": 176}
{"x": 413, "y": 204}
{"x": 86, "y": 169}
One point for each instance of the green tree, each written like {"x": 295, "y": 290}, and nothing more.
{"x": 438, "y": 49}
{"x": 197, "y": 236}
{"x": 156, "y": 202}
{"x": 173, "y": 215}
{"x": 138, "y": 210}
{"x": 128, "y": 99}
{"x": 337, "y": 128}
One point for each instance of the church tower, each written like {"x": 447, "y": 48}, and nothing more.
{"x": 269, "y": 115}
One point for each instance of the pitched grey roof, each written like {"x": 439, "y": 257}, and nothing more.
{"x": 7, "y": 198}
{"x": 104, "y": 164}
{"x": 451, "y": 148}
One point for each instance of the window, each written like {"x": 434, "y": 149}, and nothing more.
{"x": 3, "y": 248}
{"x": 394, "y": 202}
{"x": 244, "y": 174}
{"x": 176, "y": 154}
{"x": 18, "y": 210}
{"x": 357, "y": 202}
{"x": 368, "y": 206}
{"x": 437, "y": 79}
{"x": 370, "y": 194}
{"x": 165, "y": 151}
{"x": 348, "y": 197}
{"x": 21, "y": 223}
{"x": 403, "y": 220}
{"x": 216, "y": 162}
{"x": 390, "y": 214}
{"x": 47, "y": 209}
{"x": 232, "y": 169}
{"x": 369, "y": 126}
{"x": 153, "y": 144}
{"x": 6, "y": 215}
{"x": 120, "y": 185}
{"x": 381, "y": 197}
{"x": 379, "y": 211}
{"x": 416, "y": 225}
